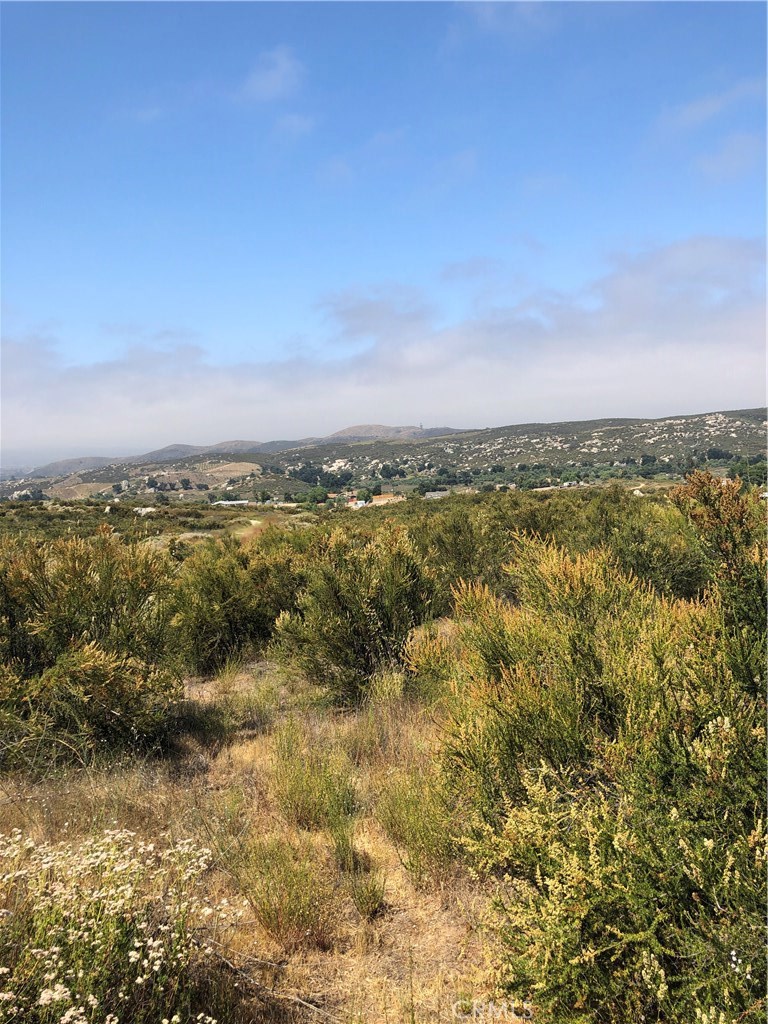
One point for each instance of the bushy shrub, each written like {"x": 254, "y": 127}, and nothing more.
{"x": 69, "y": 593}
{"x": 731, "y": 524}
{"x": 415, "y": 814}
{"x": 313, "y": 786}
{"x": 227, "y": 599}
{"x": 360, "y": 602}
{"x": 610, "y": 765}
{"x": 85, "y": 636}
{"x": 288, "y": 893}
{"x": 368, "y": 892}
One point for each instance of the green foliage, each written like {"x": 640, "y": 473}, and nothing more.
{"x": 360, "y": 602}
{"x": 74, "y": 592}
{"x": 415, "y": 814}
{"x": 227, "y": 599}
{"x": 731, "y": 523}
{"x": 610, "y": 766}
{"x": 314, "y": 787}
{"x": 84, "y": 636}
{"x": 368, "y": 892}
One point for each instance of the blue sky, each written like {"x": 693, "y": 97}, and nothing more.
{"x": 262, "y": 220}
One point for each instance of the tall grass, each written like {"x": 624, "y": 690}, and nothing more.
{"x": 415, "y": 814}
{"x": 290, "y": 896}
{"x": 313, "y": 786}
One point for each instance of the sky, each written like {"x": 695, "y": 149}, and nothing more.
{"x": 274, "y": 220}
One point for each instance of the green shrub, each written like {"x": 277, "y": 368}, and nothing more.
{"x": 731, "y": 524}
{"x": 86, "y": 641}
{"x": 368, "y": 892}
{"x": 416, "y": 817}
{"x": 227, "y": 599}
{"x": 610, "y": 764}
{"x": 314, "y": 787}
{"x": 69, "y": 593}
{"x": 359, "y": 605}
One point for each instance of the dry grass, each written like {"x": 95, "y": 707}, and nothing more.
{"x": 409, "y": 959}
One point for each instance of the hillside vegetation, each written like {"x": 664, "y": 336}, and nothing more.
{"x": 432, "y": 761}
{"x": 411, "y": 460}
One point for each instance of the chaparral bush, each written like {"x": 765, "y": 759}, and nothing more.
{"x": 85, "y": 636}
{"x": 607, "y": 746}
{"x": 228, "y": 597}
{"x": 353, "y": 617}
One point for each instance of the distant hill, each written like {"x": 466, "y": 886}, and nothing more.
{"x": 376, "y": 431}
{"x": 366, "y": 453}
{"x": 64, "y": 467}
{"x": 175, "y": 452}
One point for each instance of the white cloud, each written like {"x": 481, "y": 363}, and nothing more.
{"x": 737, "y": 155}
{"x": 698, "y": 112}
{"x": 276, "y": 74}
{"x": 679, "y": 329}
{"x": 519, "y": 21}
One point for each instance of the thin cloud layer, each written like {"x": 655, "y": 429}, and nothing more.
{"x": 698, "y": 112}
{"x": 276, "y": 74}
{"x": 737, "y": 154}
{"x": 677, "y": 330}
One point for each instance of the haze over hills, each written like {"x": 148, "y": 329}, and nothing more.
{"x": 174, "y": 452}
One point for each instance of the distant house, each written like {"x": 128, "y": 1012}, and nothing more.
{"x": 243, "y": 502}
{"x": 437, "y": 494}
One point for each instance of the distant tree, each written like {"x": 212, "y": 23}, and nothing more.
{"x": 364, "y": 494}
{"x": 315, "y": 495}
{"x": 186, "y": 483}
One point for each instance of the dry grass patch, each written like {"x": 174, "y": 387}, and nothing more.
{"x": 332, "y": 917}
